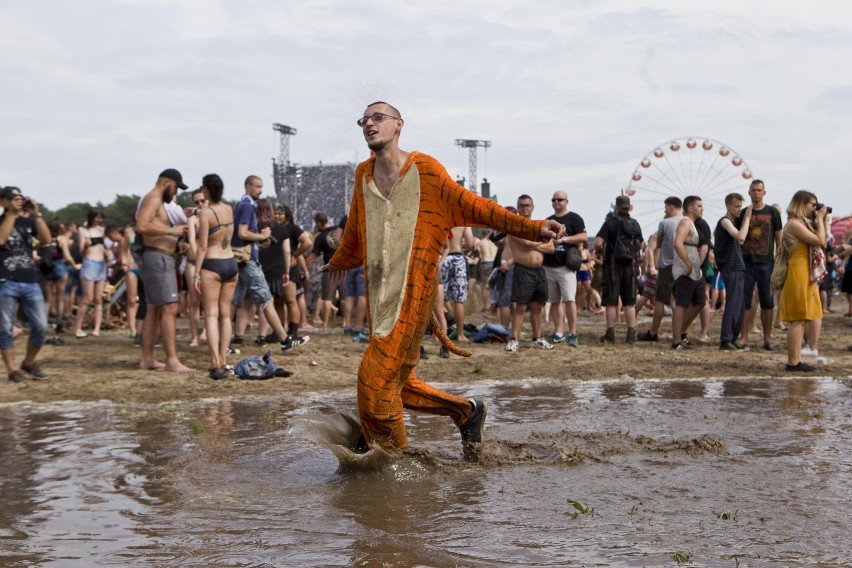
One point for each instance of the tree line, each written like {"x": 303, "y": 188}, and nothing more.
{"x": 119, "y": 213}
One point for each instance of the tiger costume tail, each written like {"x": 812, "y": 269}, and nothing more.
{"x": 446, "y": 341}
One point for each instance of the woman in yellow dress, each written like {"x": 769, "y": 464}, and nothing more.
{"x": 804, "y": 235}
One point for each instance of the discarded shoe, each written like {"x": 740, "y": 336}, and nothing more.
{"x": 471, "y": 431}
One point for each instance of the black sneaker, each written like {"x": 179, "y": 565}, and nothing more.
{"x": 444, "y": 353}
{"x": 471, "y": 431}
{"x": 294, "y": 341}
{"x": 236, "y": 340}
{"x": 800, "y": 368}
{"x": 727, "y": 346}
{"x": 648, "y": 336}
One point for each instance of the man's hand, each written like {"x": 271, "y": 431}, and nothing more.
{"x": 179, "y": 230}
{"x": 552, "y": 229}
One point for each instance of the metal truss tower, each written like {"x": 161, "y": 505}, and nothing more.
{"x": 472, "y": 145}
{"x": 281, "y": 170}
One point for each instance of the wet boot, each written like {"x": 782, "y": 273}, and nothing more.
{"x": 609, "y": 336}
{"x": 631, "y": 335}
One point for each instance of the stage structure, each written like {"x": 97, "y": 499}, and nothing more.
{"x": 310, "y": 189}
{"x": 318, "y": 188}
{"x": 473, "y": 145}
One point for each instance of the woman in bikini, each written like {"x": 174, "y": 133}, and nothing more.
{"x": 93, "y": 273}
{"x": 199, "y": 203}
{"x": 217, "y": 278}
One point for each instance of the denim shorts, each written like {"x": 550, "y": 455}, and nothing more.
{"x": 93, "y": 270}
{"x": 253, "y": 282}
{"x": 354, "y": 283}
{"x": 29, "y": 296}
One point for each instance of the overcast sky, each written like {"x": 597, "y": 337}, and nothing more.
{"x": 100, "y": 96}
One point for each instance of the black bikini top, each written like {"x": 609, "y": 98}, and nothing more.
{"x": 219, "y": 225}
{"x": 97, "y": 241}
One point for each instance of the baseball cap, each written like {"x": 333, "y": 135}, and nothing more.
{"x": 622, "y": 203}
{"x": 9, "y": 192}
{"x": 175, "y": 176}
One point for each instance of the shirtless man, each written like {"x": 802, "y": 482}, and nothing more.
{"x": 454, "y": 277}
{"x": 487, "y": 252}
{"x": 158, "y": 271}
{"x": 529, "y": 281}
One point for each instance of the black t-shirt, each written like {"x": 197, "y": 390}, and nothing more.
{"x": 16, "y": 256}
{"x": 295, "y": 232}
{"x": 342, "y": 224}
{"x": 272, "y": 256}
{"x": 705, "y": 237}
{"x": 326, "y": 244}
{"x": 573, "y": 224}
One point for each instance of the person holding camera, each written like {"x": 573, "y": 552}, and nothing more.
{"x": 804, "y": 237}
{"x": 20, "y": 225}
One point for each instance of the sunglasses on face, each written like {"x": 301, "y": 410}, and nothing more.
{"x": 557, "y": 199}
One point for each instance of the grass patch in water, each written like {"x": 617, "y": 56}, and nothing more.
{"x": 682, "y": 557}
{"x": 580, "y": 509}
{"x": 198, "y": 427}
{"x": 726, "y": 515}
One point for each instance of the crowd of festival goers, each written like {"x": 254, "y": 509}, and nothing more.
{"x": 235, "y": 270}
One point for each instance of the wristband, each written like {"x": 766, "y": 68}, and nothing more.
{"x": 196, "y": 278}
{"x": 171, "y": 230}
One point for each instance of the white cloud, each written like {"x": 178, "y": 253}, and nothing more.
{"x": 99, "y": 96}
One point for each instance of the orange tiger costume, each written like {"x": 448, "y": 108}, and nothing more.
{"x": 408, "y": 228}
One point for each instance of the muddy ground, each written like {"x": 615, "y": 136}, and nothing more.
{"x": 106, "y": 367}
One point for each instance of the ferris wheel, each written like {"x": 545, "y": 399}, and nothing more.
{"x": 686, "y": 166}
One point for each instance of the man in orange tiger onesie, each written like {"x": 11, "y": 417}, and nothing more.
{"x": 403, "y": 205}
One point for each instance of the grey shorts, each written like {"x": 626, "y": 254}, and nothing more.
{"x": 159, "y": 278}
{"x": 561, "y": 284}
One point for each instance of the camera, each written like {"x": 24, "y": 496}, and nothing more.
{"x": 828, "y": 210}
{"x": 273, "y": 241}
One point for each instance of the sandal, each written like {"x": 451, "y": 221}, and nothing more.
{"x": 81, "y": 334}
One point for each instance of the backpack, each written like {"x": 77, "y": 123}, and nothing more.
{"x": 628, "y": 240}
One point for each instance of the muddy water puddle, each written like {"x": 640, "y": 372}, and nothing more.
{"x": 738, "y": 472}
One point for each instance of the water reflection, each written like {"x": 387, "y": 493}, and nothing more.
{"x": 237, "y": 483}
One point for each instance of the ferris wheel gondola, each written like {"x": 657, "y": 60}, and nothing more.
{"x": 685, "y": 166}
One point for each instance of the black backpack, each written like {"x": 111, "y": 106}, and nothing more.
{"x": 628, "y": 240}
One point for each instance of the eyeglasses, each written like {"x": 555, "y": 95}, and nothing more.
{"x": 557, "y": 199}
{"x": 375, "y": 117}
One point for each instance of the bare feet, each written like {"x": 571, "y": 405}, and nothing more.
{"x": 193, "y": 343}
{"x": 151, "y": 365}
{"x": 175, "y": 366}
